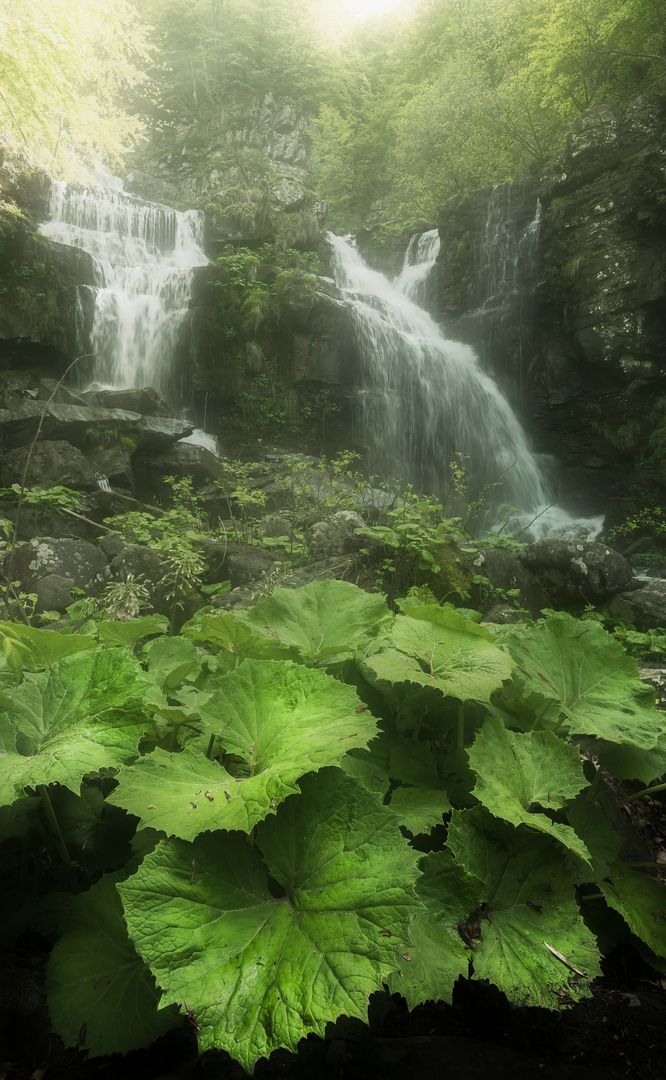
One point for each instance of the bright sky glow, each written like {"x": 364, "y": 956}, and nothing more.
{"x": 362, "y": 9}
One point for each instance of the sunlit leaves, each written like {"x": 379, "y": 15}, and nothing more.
{"x": 438, "y": 648}
{"x": 516, "y": 773}
{"x": 325, "y": 621}
{"x": 82, "y": 715}
{"x": 259, "y": 969}
{"x": 279, "y": 719}
{"x": 67, "y": 68}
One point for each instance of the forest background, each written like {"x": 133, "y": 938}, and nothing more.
{"x": 438, "y": 97}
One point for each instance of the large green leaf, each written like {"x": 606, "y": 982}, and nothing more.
{"x": 438, "y": 955}
{"x": 324, "y": 620}
{"x": 641, "y": 902}
{"x": 100, "y": 994}
{"x": 186, "y": 794}
{"x": 516, "y": 772}
{"x": 281, "y": 719}
{"x": 229, "y": 638}
{"x": 530, "y": 909}
{"x": 35, "y": 649}
{"x": 130, "y": 632}
{"x": 276, "y": 712}
{"x": 591, "y": 820}
{"x": 444, "y": 651}
{"x": 259, "y": 969}
{"x": 423, "y": 798}
{"x": 97, "y": 835}
{"x": 633, "y": 762}
{"x": 589, "y": 678}
{"x": 82, "y": 715}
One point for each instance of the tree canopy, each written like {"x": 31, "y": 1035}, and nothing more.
{"x": 70, "y": 74}
{"x": 439, "y": 96}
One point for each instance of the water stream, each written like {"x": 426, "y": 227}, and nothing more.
{"x": 424, "y": 402}
{"x": 143, "y": 257}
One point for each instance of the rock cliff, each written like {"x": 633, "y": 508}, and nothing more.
{"x": 575, "y": 327}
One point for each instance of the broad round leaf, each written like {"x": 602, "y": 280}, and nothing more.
{"x": 82, "y": 715}
{"x": 439, "y": 956}
{"x": 530, "y": 910}
{"x": 323, "y": 620}
{"x": 641, "y": 902}
{"x": 261, "y": 970}
{"x": 444, "y": 651}
{"x": 283, "y": 720}
{"x": 516, "y": 772}
{"x": 590, "y": 678}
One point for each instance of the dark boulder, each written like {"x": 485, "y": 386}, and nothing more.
{"x": 505, "y": 573}
{"x": 573, "y": 571}
{"x": 51, "y": 568}
{"x": 51, "y": 463}
{"x": 644, "y": 608}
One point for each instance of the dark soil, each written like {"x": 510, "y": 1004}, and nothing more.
{"x": 620, "y": 1032}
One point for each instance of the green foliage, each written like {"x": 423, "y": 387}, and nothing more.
{"x": 462, "y": 95}
{"x": 177, "y": 535}
{"x": 52, "y": 110}
{"x": 56, "y": 496}
{"x": 247, "y": 797}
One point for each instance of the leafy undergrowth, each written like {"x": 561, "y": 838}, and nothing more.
{"x": 263, "y": 821}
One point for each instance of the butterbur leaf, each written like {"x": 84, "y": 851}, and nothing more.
{"x": 229, "y": 638}
{"x": 96, "y": 834}
{"x": 186, "y": 794}
{"x": 641, "y": 902}
{"x": 100, "y": 994}
{"x": 419, "y": 809}
{"x": 633, "y": 762}
{"x": 260, "y": 971}
{"x": 438, "y": 955}
{"x": 444, "y": 651}
{"x": 82, "y": 715}
{"x": 529, "y": 905}
{"x": 37, "y": 649}
{"x": 279, "y": 716}
{"x": 171, "y": 660}
{"x": 595, "y": 830}
{"x": 281, "y": 719}
{"x": 589, "y": 678}
{"x": 129, "y": 633}
{"x": 323, "y": 620}
{"x": 517, "y": 772}
{"x": 9, "y": 764}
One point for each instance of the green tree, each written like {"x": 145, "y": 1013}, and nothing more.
{"x": 71, "y": 75}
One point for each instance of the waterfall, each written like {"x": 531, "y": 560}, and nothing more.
{"x": 143, "y": 257}
{"x": 420, "y": 259}
{"x": 424, "y": 400}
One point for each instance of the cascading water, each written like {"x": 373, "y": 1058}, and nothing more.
{"x": 420, "y": 259}
{"x": 423, "y": 400}
{"x": 144, "y": 257}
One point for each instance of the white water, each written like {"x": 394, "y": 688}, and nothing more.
{"x": 420, "y": 259}
{"x": 144, "y": 256}
{"x": 424, "y": 400}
